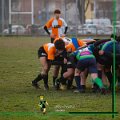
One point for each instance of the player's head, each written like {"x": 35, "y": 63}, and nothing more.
{"x": 41, "y": 97}
{"x": 113, "y": 36}
{"x": 57, "y": 13}
{"x": 60, "y": 44}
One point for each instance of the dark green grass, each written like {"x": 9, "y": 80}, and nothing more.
{"x": 19, "y": 65}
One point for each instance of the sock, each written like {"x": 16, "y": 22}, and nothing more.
{"x": 109, "y": 77}
{"x": 69, "y": 83}
{"x": 98, "y": 81}
{"x": 64, "y": 69}
{"x": 78, "y": 80}
{"x": 57, "y": 82}
{"x": 63, "y": 80}
{"x": 54, "y": 79}
{"x": 95, "y": 86}
{"x": 100, "y": 74}
{"x": 83, "y": 86}
{"x": 45, "y": 79}
{"x": 38, "y": 78}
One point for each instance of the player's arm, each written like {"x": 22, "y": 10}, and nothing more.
{"x": 100, "y": 42}
{"x": 87, "y": 40}
{"x": 48, "y": 25}
{"x": 72, "y": 58}
{"x": 66, "y": 26}
{"x": 46, "y": 29}
{"x": 40, "y": 105}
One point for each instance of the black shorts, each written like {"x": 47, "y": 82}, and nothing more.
{"x": 70, "y": 65}
{"x": 41, "y": 52}
{"x": 89, "y": 63}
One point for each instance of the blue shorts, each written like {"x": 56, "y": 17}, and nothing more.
{"x": 89, "y": 63}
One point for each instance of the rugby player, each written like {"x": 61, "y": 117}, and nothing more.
{"x": 47, "y": 54}
{"x": 56, "y": 24}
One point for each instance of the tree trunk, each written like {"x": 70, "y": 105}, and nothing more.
{"x": 82, "y": 10}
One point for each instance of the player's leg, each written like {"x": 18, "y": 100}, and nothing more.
{"x": 77, "y": 79}
{"x": 70, "y": 83}
{"x": 118, "y": 76}
{"x": 80, "y": 67}
{"x": 56, "y": 69}
{"x": 108, "y": 73}
{"x": 66, "y": 73}
{"x": 83, "y": 76}
{"x": 44, "y": 110}
{"x": 104, "y": 78}
{"x": 41, "y": 55}
{"x": 94, "y": 75}
{"x": 59, "y": 63}
{"x": 69, "y": 75}
{"x": 99, "y": 69}
{"x": 45, "y": 69}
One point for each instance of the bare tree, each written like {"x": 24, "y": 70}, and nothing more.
{"x": 82, "y": 8}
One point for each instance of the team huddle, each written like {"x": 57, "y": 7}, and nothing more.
{"x": 77, "y": 58}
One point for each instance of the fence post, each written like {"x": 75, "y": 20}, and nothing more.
{"x": 3, "y": 12}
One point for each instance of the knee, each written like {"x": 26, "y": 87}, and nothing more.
{"x": 46, "y": 69}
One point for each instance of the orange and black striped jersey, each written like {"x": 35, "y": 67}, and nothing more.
{"x": 57, "y": 26}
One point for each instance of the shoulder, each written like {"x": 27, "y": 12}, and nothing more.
{"x": 51, "y": 19}
{"x": 62, "y": 19}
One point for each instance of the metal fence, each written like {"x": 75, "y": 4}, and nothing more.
{"x": 27, "y": 17}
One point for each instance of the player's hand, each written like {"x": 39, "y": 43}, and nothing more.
{"x": 52, "y": 35}
{"x": 65, "y": 61}
{"x": 101, "y": 52}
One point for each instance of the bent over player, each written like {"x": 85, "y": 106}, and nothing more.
{"x": 47, "y": 54}
{"x": 85, "y": 59}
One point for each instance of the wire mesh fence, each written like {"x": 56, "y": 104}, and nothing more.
{"x": 27, "y": 17}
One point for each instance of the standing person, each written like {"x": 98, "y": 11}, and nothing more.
{"x": 56, "y": 24}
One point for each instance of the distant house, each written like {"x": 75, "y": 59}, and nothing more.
{"x": 104, "y": 9}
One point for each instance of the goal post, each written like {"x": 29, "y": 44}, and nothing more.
{"x": 21, "y": 12}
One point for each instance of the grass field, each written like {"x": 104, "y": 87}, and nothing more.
{"x": 19, "y": 65}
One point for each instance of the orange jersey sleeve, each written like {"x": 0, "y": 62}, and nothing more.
{"x": 49, "y": 23}
{"x": 81, "y": 43}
